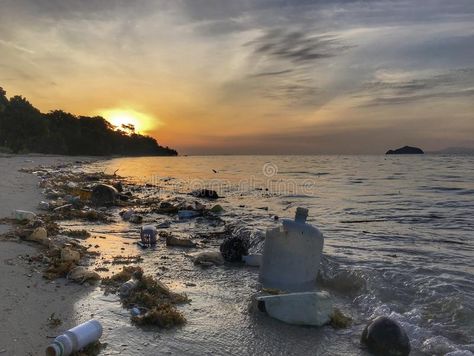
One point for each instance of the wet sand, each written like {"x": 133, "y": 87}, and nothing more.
{"x": 26, "y": 299}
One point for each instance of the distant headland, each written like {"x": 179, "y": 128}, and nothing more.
{"x": 24, "y": 129}
{"x": 406, "y": 150}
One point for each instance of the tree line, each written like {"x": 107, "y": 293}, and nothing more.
{"x": 24, "y": 129}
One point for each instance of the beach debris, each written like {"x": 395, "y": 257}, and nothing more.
{"x": 166, "y": 207}
{"x": 292, "y": 254}
{"x": 205, "y": 193}
{"x": 209, "y": 258}
{"x": 104, "y": 194}
{"x": 75, "y": 339}
{"x": 234, "y": 247}
{"x": 53, "y": 321}
{"x": 339, "y": 320}
{"x": 176, "y": 241}
{"x": 127, "y": 288}
{"x": 306, "y": 308}
{"x": 39, "y": 235}
{"x": 77, "y": 234}
{"x": 126, "y": 214}
{"x": 70, "y": 255}
{"x": 135, "y": 219}
{"x": 187, "y": 214}
{"x": 385, "y": 336}
{"x": 216, "y": 209}
{"x": 164, "y": 316}
{"x": 148, "y": 235}
{"x": 81, "y": 274}
{"x": 126, "y": 260}
{"x": 148, "y": 294}
{"x": 118, "y": 185}
{"x": 43, "y": 205}
{"x": 253, "y": 260}
{"x": 23, "y": 215}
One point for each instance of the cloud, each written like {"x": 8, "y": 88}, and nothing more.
{"x": 403, "y": 88}
{"x": 297, "y": 47}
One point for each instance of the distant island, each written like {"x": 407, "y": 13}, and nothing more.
{"x": 24, "y": 129}
{"x": 406, "y": 150}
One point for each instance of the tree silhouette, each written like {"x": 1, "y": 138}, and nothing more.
{"x": 23, "y": 128}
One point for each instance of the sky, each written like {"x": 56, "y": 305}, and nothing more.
{"x": 251, "y": 76}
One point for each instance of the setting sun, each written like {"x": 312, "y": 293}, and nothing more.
{"x": 119, "y": 117}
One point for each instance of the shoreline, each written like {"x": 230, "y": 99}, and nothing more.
{"x": 27, "y": 299}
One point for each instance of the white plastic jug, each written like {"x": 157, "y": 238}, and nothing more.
{"x": 292, "y": 255}
{"x": 307, "y": 308}
{"x": 75, "y": 339}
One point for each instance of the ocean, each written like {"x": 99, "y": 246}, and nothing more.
{"x": 399, "y": 241}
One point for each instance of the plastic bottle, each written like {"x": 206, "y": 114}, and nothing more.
{"x": 128, "y": 287}
{"x": 292, "y": 255}
{"x": 254, "y": 260}
{"x": 75, "y": 339}
{"x": 23, "y": 215}
{"x": 308, "y": 308}
{"x": 148, "y": 235}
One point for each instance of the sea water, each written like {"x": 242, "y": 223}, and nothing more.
{"x": 399, "y": 241}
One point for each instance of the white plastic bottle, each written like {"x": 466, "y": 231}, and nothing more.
{"x": 75, "y": 339}
{"x": 292, "y": 255}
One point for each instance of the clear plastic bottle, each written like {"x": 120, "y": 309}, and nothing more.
{"x": 292, "y": 255}
{"x": 128, "y": 287}
{"x": 75, "y": 339}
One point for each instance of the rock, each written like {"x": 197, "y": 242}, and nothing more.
{"x": 384, "y": 336}
{"x": 136, "y": 219}
{"x": 175, "y": 241}
{"x": 126, "y": 214}
{"x": 103, "y": 194}
{"x": 307, "y": 308}
{"x": 39, "y": 235}
{"x": 339, "y": 320}
{"x": 210, "y": 258}
{"x": 234, "y": 248}
{"x": 205, "y": 193}
{"x": 405, "y": 150}
{"x": 216, "y": 209}
{"x": 81, "y": 274}
{"x": 70, "y": 255}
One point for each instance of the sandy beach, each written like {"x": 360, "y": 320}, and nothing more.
{"x": 26, "y": 299}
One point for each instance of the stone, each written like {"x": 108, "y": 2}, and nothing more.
{"x": 234, "y": 247}
{"x": 135, "y": 219}
{"x": 405, "y": 150}
{"x": 39, "y": 235}
{"x": 70, "y": 255}
{"x": 175, "y": 241}
{"x": 104, "y": 194}
{"x": 216, "y": 209}
{"x": 385, "y": 336}
{"x": 210, "y": 258}
{"x": 81, "y": 274}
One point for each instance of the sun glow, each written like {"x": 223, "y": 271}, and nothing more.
{"x": 140, "y": 121}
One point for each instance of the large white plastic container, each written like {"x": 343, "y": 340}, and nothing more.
{"x": 75, "y": 339}
{"x": 292, "y": 255}
{"x": 307, "y": 308}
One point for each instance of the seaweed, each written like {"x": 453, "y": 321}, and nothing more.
{"x": 163, "y": 316}
{"x": 339, "y": 320}
{"x": 79, "y": 234}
